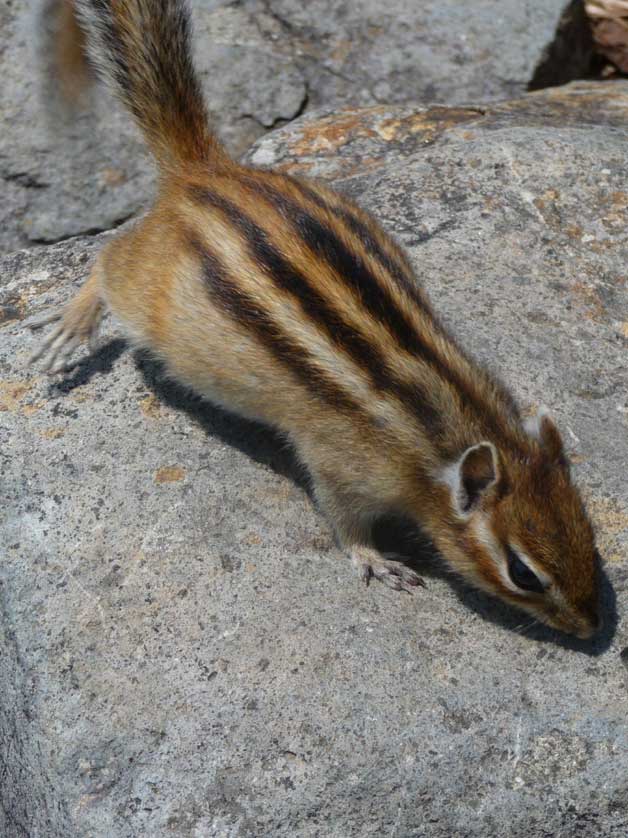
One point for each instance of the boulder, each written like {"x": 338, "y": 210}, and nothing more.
{"x": 185, "y": 650}
{"x": 262, "y": 63}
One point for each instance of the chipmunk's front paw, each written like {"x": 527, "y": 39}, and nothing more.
{"x": 396, "y": 575}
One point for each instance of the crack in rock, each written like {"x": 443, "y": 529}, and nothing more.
{"x": 90, "y": 231}
{"x": 25, "y": 179}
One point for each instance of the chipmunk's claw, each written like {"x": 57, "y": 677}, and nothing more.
{"x": 56, "y": 350}
{"x": 40, "y": 320}
{"x": 393, "y": 574}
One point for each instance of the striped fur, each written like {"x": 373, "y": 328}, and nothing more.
{"x": 143, "y": 50}
{"x": 283, "y": 301}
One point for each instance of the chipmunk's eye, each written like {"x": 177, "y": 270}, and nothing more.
{"x": 521, "y": 574}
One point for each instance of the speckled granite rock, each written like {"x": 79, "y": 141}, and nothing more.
{"x": 185, "y": 651}
{"x": 262, "y": 63}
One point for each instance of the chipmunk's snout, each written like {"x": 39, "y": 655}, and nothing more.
{"x": 583, "y": 625}
{"x": 582, "y": 619}
{"x": 592, "y": 622}
{"x": 590, "y": 631}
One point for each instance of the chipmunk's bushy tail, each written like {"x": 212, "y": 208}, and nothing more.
{"x": 142, "y": 48}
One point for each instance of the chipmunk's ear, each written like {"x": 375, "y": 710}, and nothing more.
{"x": 472, "y": 476}
{"x": 542, "y": 428}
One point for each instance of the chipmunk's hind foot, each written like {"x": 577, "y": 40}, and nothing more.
{"x": 77, "y": 322}
{"x": 395, "y": 575}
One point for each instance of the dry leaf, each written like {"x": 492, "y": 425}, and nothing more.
{"x": 609, "y": 24}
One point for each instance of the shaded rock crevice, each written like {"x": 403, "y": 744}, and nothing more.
{"x": 571, "y": 54}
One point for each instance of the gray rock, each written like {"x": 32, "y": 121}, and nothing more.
{"x": 186, "y": 653}
{"x": 262, "y": 63}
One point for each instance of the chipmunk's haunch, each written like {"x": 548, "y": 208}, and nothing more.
{"x": 283, "y": 301}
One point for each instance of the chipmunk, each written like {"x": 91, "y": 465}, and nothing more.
{"x": 283, "y": 301}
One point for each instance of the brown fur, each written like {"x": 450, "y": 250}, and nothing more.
{"x": 284, "y": 302}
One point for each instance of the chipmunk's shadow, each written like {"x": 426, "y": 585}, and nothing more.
{"x": 100, "y": 361}
{"x": 257, "y": 441}
{"x": 392, "y": 535}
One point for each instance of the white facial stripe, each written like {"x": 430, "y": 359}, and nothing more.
{"x": 484, "y": 535}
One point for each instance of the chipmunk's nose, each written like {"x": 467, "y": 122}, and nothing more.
{"x": 594, "y": 626}
{"x": 591, "y": 617}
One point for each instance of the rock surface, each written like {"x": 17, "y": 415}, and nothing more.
{"x": 185, "y": 651}
{"x": 262, "y": 63}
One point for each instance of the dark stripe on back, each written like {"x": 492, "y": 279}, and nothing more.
{"x": 323, "y": 242}
{"x": 291, "y": 280}
{"x": 395, "y": 267}
{"x": 244, "y": 309}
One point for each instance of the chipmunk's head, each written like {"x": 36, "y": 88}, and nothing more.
{"x": 523, "y": 531}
